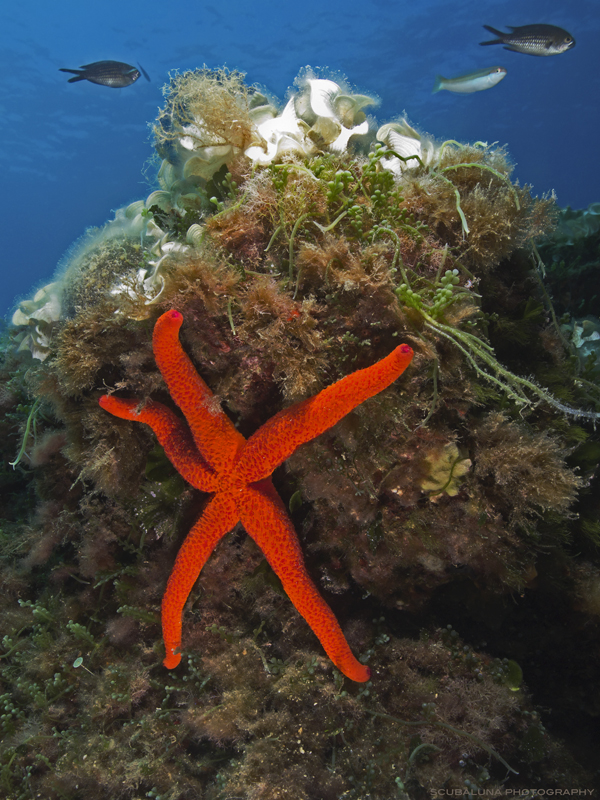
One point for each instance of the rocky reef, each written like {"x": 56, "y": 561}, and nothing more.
{"x": 451, "y": 521}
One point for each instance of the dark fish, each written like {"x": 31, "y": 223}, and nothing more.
{"x": 115, "y": 74}
{"x": 535, "y": 40}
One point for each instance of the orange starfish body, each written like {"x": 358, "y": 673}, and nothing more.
{"x": 214, "y": 457}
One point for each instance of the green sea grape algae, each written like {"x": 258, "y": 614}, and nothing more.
{"x": 300, "y": 248}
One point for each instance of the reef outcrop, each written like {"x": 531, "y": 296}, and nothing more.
{"x": 450, "y": 521}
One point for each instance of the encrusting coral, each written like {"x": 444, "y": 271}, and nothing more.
{"x": 439, "y": 520}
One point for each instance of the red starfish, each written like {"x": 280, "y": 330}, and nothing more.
{"x": 214, "y": 457}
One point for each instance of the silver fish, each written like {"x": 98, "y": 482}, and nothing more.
{"x": 535, "y": 40}
{"x": 471, "y": 82}
{"x": 114, "y": 74}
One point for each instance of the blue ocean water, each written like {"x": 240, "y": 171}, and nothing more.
{"x": 70, "y": 154}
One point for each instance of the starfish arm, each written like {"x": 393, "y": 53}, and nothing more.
{"x": 219, "y": 517}
{"x": 277, "y": 439}
{"x": 264, "y": 517}
{"x": 216, "y": 438}
{"x": 172, "y": 434}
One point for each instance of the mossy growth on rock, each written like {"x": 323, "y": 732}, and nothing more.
{"x": 451, "y": 498}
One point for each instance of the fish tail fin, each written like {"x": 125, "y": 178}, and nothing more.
{"x": 144, "y": 73}
{"x": 496, "y": 33}
{"x": 437, "y": 86}
{"x": 77, "y": 72}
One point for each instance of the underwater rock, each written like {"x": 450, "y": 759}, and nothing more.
{"x": 300, "y": 249}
